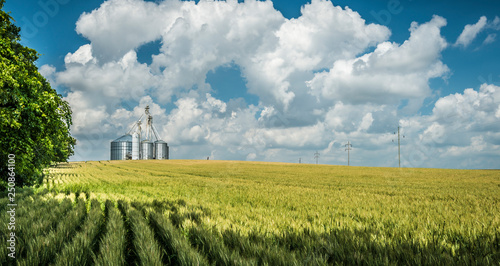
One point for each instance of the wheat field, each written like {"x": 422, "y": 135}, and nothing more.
{"x": 188, "y": 212}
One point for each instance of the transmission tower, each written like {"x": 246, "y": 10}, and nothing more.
{"x": 316, "y": 156}
{"x": 348, "y": 148}
{"x": 399, "y": 145}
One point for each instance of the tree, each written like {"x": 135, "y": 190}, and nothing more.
{"x": 34, "y": 120}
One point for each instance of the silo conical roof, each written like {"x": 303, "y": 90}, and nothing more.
{"x": 123, "y": 138}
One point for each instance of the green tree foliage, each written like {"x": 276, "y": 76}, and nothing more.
{"x": 34, "y": 120}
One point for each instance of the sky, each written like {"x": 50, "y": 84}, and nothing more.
{"x": 278, "y": 80}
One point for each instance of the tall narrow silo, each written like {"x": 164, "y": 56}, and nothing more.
{"x": 161, "y": 150}
{"x": 135, "y": 146}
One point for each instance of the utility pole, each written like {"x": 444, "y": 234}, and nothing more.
{"x": 348, "y": 148}
{"x": 399, "y": 148}
{"x": 316, "y": 156}
{"x": 399, "y": 145}
{"x": 300, "y": 160}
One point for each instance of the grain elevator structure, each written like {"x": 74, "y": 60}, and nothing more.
{"x": 139, "y": 144}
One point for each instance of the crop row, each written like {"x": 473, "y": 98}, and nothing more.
{"x": 189, "y": 243}
{"x": 42, "y": 237}
{"x": 112, "y": 246}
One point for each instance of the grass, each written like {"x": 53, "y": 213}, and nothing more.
{"x": 185, "y": 212}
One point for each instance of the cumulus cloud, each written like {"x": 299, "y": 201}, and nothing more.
{"x": 85, "y": 114}
{"x": 390, "y": 73}
{"x": 321, "y": 79}
{"x": 462, "y": 125}
{"x": 197, "y": 38}
{"x": 320, "y": 36}
{"x": 474, "y": 109}
{"x": 210, "y": 34}
{"x": 119, "y": 26}
{"x": 122, "y": 79}
{"x": 81, "y": 56}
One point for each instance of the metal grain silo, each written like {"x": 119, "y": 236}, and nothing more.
{"x": 135, "y": 146}
{"x": 161, "y": 150}
{"x": 147, "y": 150}
{"x": 121, "y": 148}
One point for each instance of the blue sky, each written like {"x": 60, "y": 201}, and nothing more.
{"x": 278, "y": 81}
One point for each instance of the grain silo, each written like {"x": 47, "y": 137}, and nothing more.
{"x": 161, "y": 150}
{"x": 147, "y": 150}
{"x": 135, "y": 145}
{"x": 121, "y": 148}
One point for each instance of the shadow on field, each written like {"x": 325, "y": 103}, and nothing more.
{"x": 232, "y": 247}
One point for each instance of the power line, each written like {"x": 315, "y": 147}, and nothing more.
{"x": 348, "y": 148}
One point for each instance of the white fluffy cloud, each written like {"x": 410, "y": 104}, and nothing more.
{"x": 122, "y": 79}
{"x": 391, "y": 73}
{"x": 316, "y": 83}
{"x": 82, "y": 56}
{"x": 86, "y": 115}
{"x": 474, "y": 109}
{"x": 461, "y": 131}
{"x": 323, "y": 34}
{"x": 210, "y": 34}
{"x": 119, "y": 26}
